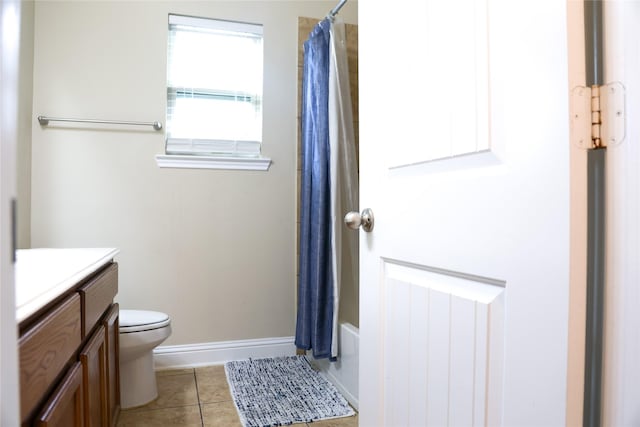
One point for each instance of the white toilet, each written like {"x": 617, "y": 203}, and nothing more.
{"x": 140, "y": 332}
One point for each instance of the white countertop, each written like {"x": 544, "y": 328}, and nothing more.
{"x": 44, "y": 274}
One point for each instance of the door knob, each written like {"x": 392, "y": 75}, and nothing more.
{"x": 353, "y": 220}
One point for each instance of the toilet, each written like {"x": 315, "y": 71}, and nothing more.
{"x": 140, "y": 332}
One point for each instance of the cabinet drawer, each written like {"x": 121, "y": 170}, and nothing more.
{"x": 45, "y": 350}
{"x": 97, "y": 296}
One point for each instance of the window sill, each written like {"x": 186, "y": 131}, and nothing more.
{"x": 212, "y": 162}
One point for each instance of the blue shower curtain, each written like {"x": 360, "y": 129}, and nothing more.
{"x": 316, "y": 297}
{"x": 328, "y": 257}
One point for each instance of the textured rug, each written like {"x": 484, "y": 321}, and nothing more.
{"x": 281, "y": 391}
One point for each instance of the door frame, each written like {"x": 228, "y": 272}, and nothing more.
{"x": 10, "y": 16}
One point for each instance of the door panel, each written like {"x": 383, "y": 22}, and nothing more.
{"x": 443, "y": 340}
{"x": 455, "y": 90}
{"x": 465, "y": 277}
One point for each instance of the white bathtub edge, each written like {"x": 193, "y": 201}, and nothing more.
{"x": 343, "y": 374}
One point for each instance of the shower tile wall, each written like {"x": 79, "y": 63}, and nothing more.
{"x": 349, "y": 307}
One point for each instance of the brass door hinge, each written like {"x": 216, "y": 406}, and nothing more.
{"x": 597, "y": 116}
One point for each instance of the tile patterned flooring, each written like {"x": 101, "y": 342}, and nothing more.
{"x": 197, "y": 397}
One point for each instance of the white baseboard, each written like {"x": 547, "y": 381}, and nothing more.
{"x": 217, "y": 353}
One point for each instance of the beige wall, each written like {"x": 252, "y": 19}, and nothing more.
{"x": 214, "y": 249}
{"x": 25, "y": 113}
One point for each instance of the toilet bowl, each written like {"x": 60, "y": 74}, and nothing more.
{"x": 140, "y": 332}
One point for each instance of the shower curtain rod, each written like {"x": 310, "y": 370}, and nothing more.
{"x": 336, "y": 9}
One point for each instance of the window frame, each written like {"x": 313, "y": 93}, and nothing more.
{"x": 233, "y": 160}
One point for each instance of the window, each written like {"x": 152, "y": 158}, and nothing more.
{"x": 214, "y": 88}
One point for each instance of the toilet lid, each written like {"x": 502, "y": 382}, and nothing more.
{"x": 142, "y": 320}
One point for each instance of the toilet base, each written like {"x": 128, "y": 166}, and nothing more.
{"x": 138, "y": 381}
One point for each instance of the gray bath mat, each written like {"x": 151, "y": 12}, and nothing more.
{"x": 281, "y": 391}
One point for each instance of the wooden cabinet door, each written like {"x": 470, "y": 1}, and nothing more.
{"x": 94, "y": 368}
{"x": 111, "y": 325}
{"x": 45, "y": 350}
{"x": 65, "y": 407}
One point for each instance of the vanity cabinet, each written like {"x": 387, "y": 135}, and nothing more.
{"x": 69, "y": 357}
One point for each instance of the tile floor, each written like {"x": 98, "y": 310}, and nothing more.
{"x": 197, "y": 398}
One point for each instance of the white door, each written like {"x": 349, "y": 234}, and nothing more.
{"x": 9, "y": 47}
{"x": 464, "y": 151}
{"x": 621, "y": 383}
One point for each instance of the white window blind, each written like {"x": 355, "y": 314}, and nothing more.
{"x": 214, "y": 87}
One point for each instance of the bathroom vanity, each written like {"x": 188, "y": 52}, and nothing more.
{"x": 68, "y": 345}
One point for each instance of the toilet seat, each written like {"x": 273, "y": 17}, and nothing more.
{"x": 142, "y": 320}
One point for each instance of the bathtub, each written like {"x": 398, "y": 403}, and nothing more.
{"x": 344, "y": 373}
